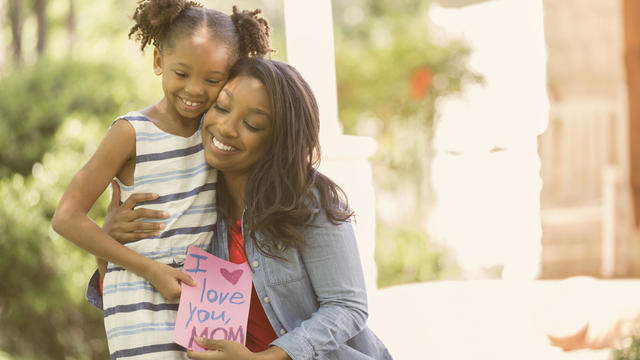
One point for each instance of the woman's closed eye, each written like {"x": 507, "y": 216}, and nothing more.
{"x": 214, "y": 81}
{"x": 180, "y": 74}
{"x": 250, "y": 127}
{"x": 220, "y": 109}
{"x": 223, "y": 110}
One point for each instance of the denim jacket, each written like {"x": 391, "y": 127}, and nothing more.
{"x": 315, "y": 300}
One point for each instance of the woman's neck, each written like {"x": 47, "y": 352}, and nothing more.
{"x": 236, "y": 188}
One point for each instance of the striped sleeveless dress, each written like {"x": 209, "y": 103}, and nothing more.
{"x": 138, "y": 321}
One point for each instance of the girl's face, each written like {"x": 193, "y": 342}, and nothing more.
{"x": 193, "y": 72}
{"x": 237, "y": 130}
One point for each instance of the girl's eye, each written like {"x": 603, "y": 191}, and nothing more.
{"x": 220, "y": 109}
{"x": 213, "y": 82}
{"x": 250, "y": 127}
{"x": 180, "y": 74}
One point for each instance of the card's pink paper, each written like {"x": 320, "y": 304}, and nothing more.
{"x": 218, "y": 306}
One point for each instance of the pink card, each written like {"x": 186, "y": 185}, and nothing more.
{"x": 218, "y": 306}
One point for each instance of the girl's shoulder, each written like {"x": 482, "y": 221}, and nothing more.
{"x": 141, "y": 124}
{"x": 134, "y": 117}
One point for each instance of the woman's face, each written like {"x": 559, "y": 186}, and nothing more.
{"x": 236, "y": 131}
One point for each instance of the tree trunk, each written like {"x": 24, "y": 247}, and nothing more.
{"x": 3, "y": 15}
{"x": 15, "y": 17}
{"x": 631, "y": 15}
{"x": 40, "y": 8}
{"x": 71, "y": 27}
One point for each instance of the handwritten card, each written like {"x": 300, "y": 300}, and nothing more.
{"x": 218, "y": 306}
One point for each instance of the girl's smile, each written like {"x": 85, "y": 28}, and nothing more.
{"x": 191, "y": 105}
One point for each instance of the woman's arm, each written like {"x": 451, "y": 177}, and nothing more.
{"x": 332, "y": 263}
{"x": 71, "y": 218}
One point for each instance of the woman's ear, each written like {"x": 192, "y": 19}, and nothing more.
{"x": 157, "y": 61}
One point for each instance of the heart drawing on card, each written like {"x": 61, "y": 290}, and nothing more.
{"x": 231, "y": 276}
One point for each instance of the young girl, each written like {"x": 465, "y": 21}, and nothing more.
{"x": 160, "y": 148}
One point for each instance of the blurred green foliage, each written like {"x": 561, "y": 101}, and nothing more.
{"x": 379, "y": 46}
{"x": 381, "y": 51}
{"x": 52, "y": 115}
{"x": 34, "y": 101}
{"x": 42, "y": 308}
{"x": 404, "y": 255}
{"x": 631, "y": 350}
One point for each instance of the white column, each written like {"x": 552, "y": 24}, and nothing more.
{"x": 488, "y": 194}
{"x": 310, "y": 49}
{"x": 309, "y": 35}
{"x": 608, "y": 249}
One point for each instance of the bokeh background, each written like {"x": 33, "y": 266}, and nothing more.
{"x": 503, "y": 163}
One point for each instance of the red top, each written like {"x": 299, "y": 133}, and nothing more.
{"x": 259, "y": 331}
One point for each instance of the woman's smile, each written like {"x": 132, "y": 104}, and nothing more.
{"x": 220, "y": 147}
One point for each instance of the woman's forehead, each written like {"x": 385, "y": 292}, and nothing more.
{"x": 244, "y": 82}
{"x": 249, "y": 91}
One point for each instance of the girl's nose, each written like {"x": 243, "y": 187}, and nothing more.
{"x": 194, "y": 87}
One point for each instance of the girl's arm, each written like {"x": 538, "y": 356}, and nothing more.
{"x": 71, "y": 218}
{"x": 332, "y": 262}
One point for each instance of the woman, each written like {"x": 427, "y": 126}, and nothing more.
{"x": 286, "y": 219}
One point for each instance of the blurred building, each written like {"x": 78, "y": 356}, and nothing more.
{"x": 586, "y": 199}
{"x": 549, "y": 133}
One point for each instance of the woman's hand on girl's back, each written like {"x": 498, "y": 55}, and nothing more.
{"x": 120, "y": 222}
{"x": 167, "y": 280}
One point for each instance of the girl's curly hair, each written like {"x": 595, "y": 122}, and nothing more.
{"x": 160, "y": 22}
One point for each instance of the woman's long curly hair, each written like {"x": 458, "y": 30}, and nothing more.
{"x": 281, "y": 188}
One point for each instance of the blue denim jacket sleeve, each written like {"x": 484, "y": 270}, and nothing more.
{"x": 93, "y": 294}
{"x": 332, "y": 263}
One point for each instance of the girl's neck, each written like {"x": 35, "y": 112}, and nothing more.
{"x": 169, "y": 121}
{"x": 236, "y": 188}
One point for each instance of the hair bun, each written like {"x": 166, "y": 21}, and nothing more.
{"x": 253, "y": 32}
{"x": 153, "y": 18}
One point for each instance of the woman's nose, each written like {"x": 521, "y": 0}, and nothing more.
{"x": 227, "y": 127}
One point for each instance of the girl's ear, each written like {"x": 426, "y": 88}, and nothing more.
{"x": 157, "y": 62}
